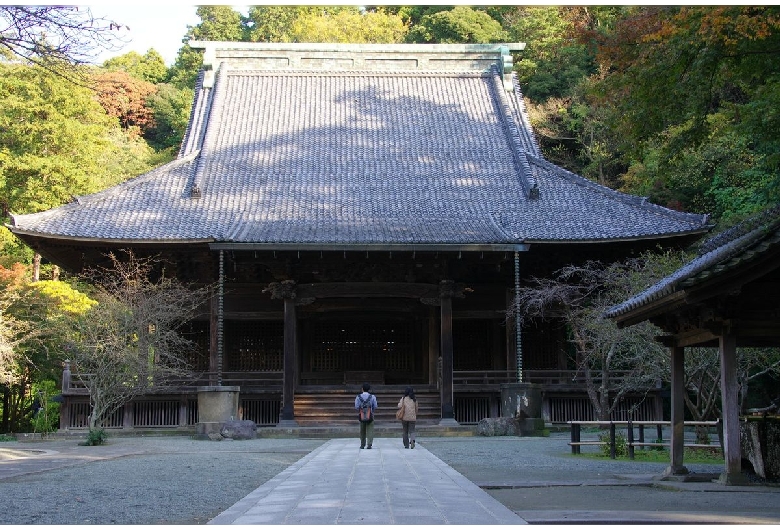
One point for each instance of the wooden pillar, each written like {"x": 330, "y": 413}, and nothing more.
{"x": 286, "y": 291}
{"x": 66, "y": 399}
{"x": 288, "y": 388}
{"x": 730, "y": 408}
{"x": 677, "y": 441}
{"x": 433, "y": 349}
{"x": 446, "y": 292}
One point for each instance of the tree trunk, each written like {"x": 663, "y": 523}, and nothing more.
{"x": 36, "y": 267}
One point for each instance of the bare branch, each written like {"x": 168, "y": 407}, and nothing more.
{"x": 57, "y": 38}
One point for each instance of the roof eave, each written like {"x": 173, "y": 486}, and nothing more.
{"x": 376, "y": 247}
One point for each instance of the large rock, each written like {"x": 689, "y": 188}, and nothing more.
{"x": 239, "y": 430}
{"x": 497, "y": 427}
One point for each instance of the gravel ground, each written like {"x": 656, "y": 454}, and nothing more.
{"x": 165, "y": 480}
{"x": 179, "y": 480}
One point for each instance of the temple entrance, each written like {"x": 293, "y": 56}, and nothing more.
{"x": 386, "y": 349}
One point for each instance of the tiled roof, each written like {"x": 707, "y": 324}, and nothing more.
{"x": 732, "y": 248}
{"x": 321, "y": 156}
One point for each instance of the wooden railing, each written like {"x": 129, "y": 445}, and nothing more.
{"x": 272, "y": 381}
{"x": 631, "y": 441}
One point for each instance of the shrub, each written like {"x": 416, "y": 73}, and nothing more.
{"x": 621, "y": 444}
{"x": 96, "y": 437}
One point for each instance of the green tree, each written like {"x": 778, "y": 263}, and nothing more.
{"x": 691, "y": 93}
{"x": 348, "y": 25}
{"x": 149, "y": 67}
{"x": 29, "y": 345}
{"x": 218, "y": 23}
{"x": 56, "y": 142}
{"x": 553, "y": 61}
{"x": 52, "y": 135}
{"x": 274, "y": 23}
{"x": 461, "y": 24}
{"x": 170, "y": 108}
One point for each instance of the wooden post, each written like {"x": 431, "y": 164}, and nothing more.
{"x": 612, "y": 451}
{"x": 630, "y": 440}
{"x": 575, "y": 438}
{"x": 730, "y": 408}
{"x": 287, "y": 292}
{"x": 677, "y": 441}
{"x": 433, "y": 349}
{"x": 447, "y": 409}
{"x": 288, "y": 385}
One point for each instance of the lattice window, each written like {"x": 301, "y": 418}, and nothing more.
{"x": 261, "y": 411}
{"x": 156, "y": 413}
{"x": 470, "y": 410}
{"x": 362, "y": 345}
{"x": 254, "y": 346}
{"x": 472, "y": 344}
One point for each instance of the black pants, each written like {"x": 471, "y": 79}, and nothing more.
{"x": 408, "y": 432}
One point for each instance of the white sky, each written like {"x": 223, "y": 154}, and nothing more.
{"x": 160, "y": 26}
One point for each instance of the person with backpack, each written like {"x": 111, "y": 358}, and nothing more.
{"x": 365, "y": 404}
{"x": 407, "y": 412}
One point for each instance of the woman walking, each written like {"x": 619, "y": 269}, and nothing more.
{"x": 408, "y": 404}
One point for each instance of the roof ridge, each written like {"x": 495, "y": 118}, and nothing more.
{"x": 354, "y": 73}
{"x": 201, "y": 102}
{"x": 513, "y": 133}
{"x": 212, "y": 117}
{"x": 522, "y": 116}
{"x": 764, "y": 218}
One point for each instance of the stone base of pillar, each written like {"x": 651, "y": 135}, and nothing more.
{"x": 531, "y": 427}
{"x": 734, "y": 479}
{"x": 449, "y": 422}
{"x": 287, "y": 423}
{"x": 674, "y": 473}
{"x": 204, "y": 428}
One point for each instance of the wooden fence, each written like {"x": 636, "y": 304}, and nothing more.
{"x": 633, "y": 441}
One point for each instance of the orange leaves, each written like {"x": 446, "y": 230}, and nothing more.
{"x": 124, "y": 97}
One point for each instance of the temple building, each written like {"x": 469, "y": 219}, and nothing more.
{"x": 366, "y": 213}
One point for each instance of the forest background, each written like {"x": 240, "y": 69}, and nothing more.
{"x": 680, "y": 104}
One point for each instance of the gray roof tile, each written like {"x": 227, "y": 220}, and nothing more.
{"x": 359, "y": 157}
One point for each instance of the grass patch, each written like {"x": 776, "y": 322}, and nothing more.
{"x": 691, "y": 455}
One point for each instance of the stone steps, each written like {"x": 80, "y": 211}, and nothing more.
{"x": 328, "y": 408}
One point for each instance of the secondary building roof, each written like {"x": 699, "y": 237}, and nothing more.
{"x": 746, "y": 253}
{"x": 315, "y": 144}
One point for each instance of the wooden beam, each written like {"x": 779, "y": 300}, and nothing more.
{"x": 367, "y": 290}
